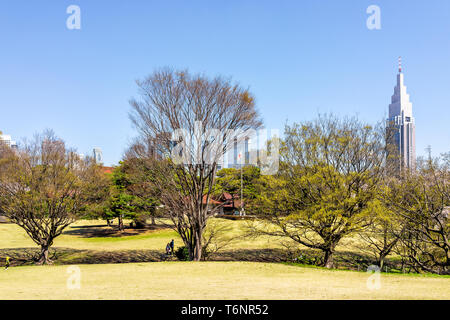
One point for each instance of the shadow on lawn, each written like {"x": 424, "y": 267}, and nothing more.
{"x": 104, "y": 231}
{"x": 66, "y": 256}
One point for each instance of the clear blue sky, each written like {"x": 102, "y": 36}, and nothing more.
{"x": 298, "y": 57}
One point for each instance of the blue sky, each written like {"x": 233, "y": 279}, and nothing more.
{"x": 298, "y": 58}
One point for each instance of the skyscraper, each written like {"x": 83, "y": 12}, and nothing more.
{"x": 98, "y": 156}
{"x": 402, "y": 124}
{"x": 241, "y": 154}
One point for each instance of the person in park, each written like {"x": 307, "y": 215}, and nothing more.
{"x": 172, "y": 245}
{"x": 168, "y": 249}
{"x": 7, "y": 263}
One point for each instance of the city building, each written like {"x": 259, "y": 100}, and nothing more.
{"x": 6, "y": 140}
{"x": 243, "y": 153}
{"x": 237, "y": 153}
{"x": 240, "y": 155}
{"x": 98, "y": 155}
{"x": 402, "y": 125}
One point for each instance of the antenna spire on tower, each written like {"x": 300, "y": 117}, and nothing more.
{"x": 399, "y": 64}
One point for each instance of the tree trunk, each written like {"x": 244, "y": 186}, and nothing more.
{"x": 381, "y": 263}
{"x": 381, "y": 259}
{"x": 120, "y": 223}
{"x": 43, "y": 256}
{"x": 198, "y": 246}
{"x": 448, "y": 259}
{"x": 153, "y": 221}
{"x": 191, "y": 252}
{"x": 328, "y": 259}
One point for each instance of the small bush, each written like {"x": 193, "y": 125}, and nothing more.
{"x": 182, "y": 253}
{"x": 304, "y": 259}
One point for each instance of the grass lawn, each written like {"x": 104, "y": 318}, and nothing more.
{"x": 94, "y": 247}
{"x": 80, "y": 236}
{"x": 212, "y": 280}
{"x": 92, "y": 241}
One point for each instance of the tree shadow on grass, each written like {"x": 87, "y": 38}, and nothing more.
{"x": 104, "y": 231}
{"x": 344, "y": 260}
{"x": 69, "y": 256}
{"x": 66, "y": 256}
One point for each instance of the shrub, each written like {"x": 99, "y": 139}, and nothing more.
{"x": 182, "y": 253}
{"x": 304, "y": 259}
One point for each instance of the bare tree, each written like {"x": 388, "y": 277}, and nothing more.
{"x": 191, "y": 120}
{"x": 381, "y": 237}
{"x": 217, "y": 236}
{"x": 43, "y": 188}
{"x": 421, "y": 199}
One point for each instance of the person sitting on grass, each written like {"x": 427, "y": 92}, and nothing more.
{"x": 7, "y": 263}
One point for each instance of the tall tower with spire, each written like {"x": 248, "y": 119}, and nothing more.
{"x": 402, "y": 124}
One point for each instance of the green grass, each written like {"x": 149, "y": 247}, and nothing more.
{"x": 76, "y": 236}
{"x": 89, "y": 243}
{"x": 211, "y": 280}
{"x": 95, "y": 239}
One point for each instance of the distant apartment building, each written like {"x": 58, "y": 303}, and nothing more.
{"x": 6, "y": 140}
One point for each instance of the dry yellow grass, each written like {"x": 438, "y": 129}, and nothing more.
{"x": 212, "y": 280}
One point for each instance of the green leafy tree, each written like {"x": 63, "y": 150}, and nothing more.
{"x": 327, "y": 186}
{"x": 229, "y": 180}
{"x": 130, "y": 196}
{"x": 145, "y": 194}
{"x": 120, "y": 206}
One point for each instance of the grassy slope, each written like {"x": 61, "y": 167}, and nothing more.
{"x": 212, "y": 280}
